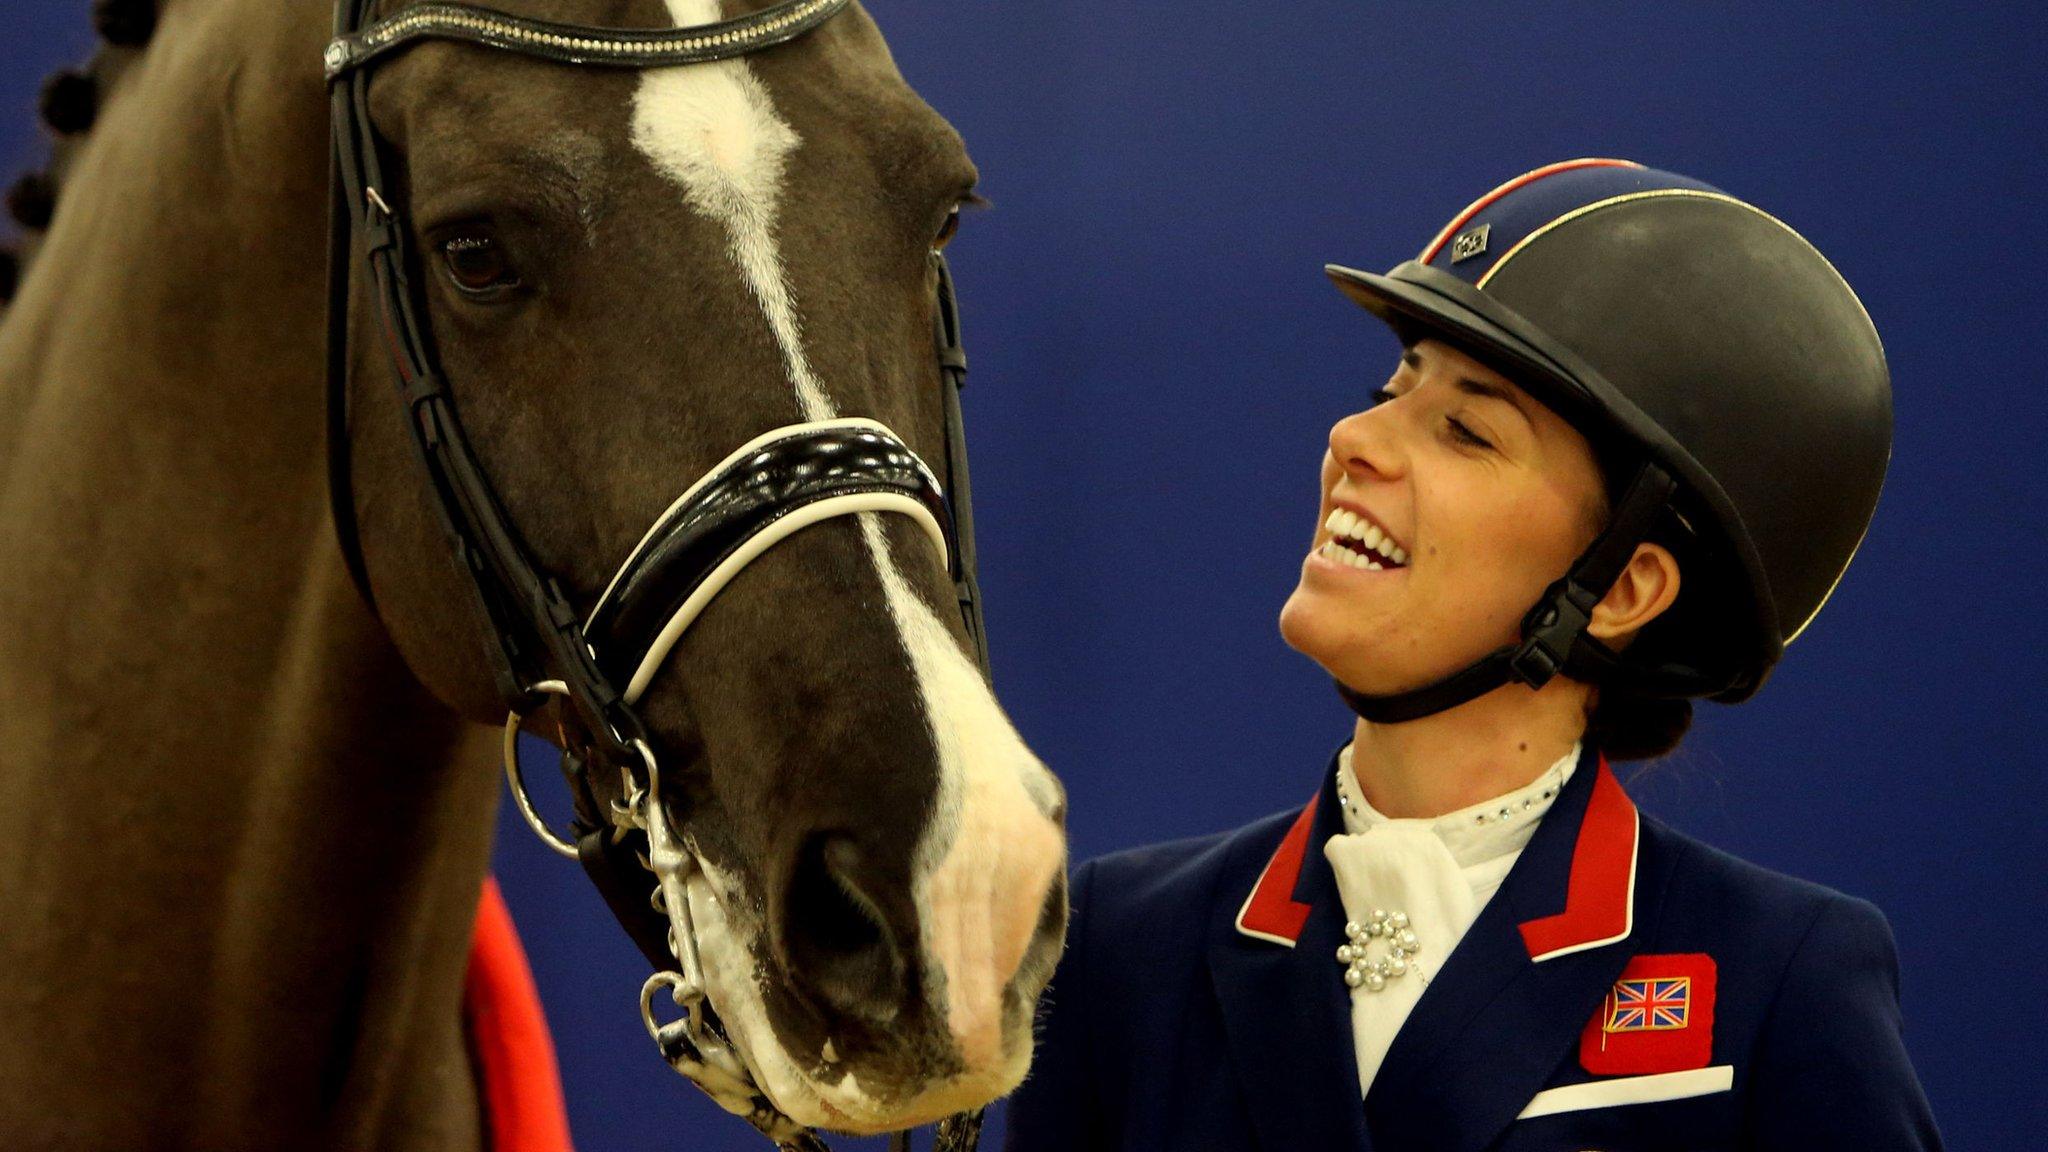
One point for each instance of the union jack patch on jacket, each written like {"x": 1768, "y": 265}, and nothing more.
{"x": 1658, "y": 1017}
{"x": 1648, "y": 1005}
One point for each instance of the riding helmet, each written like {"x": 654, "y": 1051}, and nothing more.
{"x": 1727, "y": 377}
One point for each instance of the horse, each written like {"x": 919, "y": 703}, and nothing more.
{"x": 249, "y": 804}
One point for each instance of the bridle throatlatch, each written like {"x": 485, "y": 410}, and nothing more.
{"x": 1554, "y": 636}
{"x": 599, "y": 664}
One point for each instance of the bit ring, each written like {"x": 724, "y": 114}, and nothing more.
{"x": 561, "y": 845}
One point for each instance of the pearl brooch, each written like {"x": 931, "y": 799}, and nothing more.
{"x": 1381, "y": 925}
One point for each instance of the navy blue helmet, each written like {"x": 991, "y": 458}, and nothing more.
{"x": 1728, "y": 378}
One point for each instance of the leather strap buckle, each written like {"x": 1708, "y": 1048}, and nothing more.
{"x": 1550, "y": 632}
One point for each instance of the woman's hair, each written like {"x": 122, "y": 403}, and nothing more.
{"x": 1627, "y": 726}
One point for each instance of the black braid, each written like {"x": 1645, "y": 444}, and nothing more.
{"x": 70, "y": 101}
{"x": 128, "y": 23}
{"x": 10, "y": 274}
{"x": 33, "y": 200}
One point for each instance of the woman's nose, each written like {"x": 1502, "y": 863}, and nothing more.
{"x": 1362, "y": 445}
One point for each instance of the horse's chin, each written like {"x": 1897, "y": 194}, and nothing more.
{"x": 836, "y": 1097}
{"x": 844, "y": 1107}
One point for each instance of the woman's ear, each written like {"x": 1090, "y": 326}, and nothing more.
{"x": 1641, "y": 594}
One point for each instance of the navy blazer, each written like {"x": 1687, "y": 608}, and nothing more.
{"x": 1200, "y": 1005}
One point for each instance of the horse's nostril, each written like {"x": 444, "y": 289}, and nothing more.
{"x": 836, "y": 936}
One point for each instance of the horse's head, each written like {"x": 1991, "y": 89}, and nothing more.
{"x": 626, "y": 275}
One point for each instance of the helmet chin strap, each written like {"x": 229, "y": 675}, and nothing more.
{"x": 1554, "y": 636}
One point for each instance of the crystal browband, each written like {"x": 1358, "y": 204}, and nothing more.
{"x": 579, "y": 44}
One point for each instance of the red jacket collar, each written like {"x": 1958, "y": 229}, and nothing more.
{"x": 1271, "y": 912}
{"x": 1599, "y": 891}
{"x": 1600, "y": 895}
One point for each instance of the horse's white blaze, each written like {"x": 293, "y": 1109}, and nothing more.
{"x": 714, "y": 128}
{"x": 990, "y": 853}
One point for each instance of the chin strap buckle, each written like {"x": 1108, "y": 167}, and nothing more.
{"x": 1550, "y": 632}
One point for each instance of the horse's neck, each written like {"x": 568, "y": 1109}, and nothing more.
{"x": 239, "y": 847}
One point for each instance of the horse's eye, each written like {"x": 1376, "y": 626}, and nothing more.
{"x": 946, "y": 230}
{"x": 478, "y": 265}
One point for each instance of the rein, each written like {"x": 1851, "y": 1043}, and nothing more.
{"x": 599, "y": 664}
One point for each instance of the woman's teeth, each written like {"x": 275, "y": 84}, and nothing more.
{"x": 1332, "y": 550}
{"x": 1359, "y": 542}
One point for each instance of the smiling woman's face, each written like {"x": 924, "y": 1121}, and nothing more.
{"x": 1468, "y": 496}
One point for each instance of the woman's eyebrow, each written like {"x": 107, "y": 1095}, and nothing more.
{"x": 1492, "y": 391}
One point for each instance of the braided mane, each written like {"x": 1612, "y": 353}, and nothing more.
{"x": 69, "y": 104}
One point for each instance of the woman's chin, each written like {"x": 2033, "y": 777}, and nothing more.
{"x": 1326, "y": 631}
{"x": 1362, "y": 650}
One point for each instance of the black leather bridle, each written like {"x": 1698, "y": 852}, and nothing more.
{"x": 542, "y": 646}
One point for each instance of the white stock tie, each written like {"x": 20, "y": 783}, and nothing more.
{"x": 1428, "y": 876}
{"x": 1390, "y": 871}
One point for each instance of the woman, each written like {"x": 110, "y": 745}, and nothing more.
{"x": 1636, "y": 433}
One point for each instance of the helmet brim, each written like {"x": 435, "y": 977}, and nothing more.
{"x": 1416, "y": 304}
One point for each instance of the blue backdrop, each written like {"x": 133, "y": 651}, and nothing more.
{"x": 1157, "y": 359}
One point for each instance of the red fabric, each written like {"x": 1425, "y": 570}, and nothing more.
{"x": 1658, "y": 1017}
{"x": 1272, "y": 910}
{"x": 1602, "y": 884}
{"x": 508, "y": 1036}
{"x": 1479, "y": 205}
